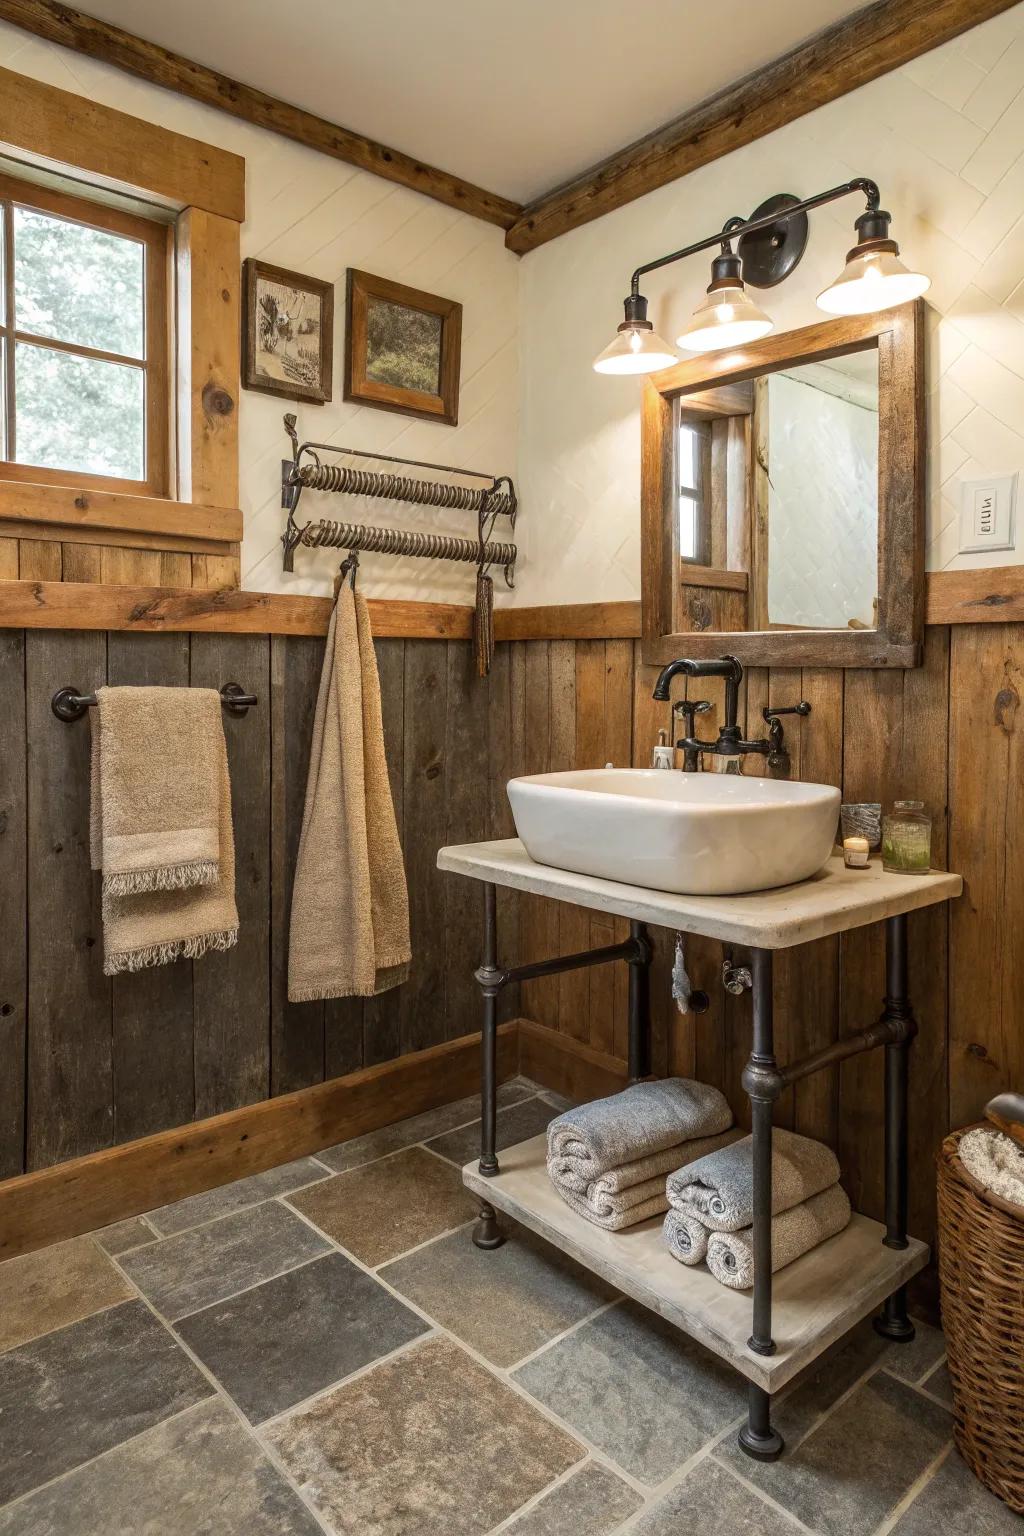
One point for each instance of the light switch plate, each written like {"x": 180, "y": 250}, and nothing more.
{"x": 986, "y": 513}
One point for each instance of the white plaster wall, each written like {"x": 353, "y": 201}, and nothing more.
{"x": 944, "y": 137}
{"x": 822, "y": 506}
{"x": 319, "y": 216}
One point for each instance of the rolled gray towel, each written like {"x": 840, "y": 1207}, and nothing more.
{"x": 610, "y": 1202}
{"x": 643, "y": 1119}
{"x": 795, "y": 1232}
{"x": 719, "y": 1188}
{"x": 687, "y": 1237}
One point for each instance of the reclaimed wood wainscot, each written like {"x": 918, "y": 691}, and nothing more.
{"x": 798, "y": 1313}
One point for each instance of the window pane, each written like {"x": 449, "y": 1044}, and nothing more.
{"x": 3, "y": 255}
{"x": 77, "y": 284}
{"x": 79, "y": 413}
{"x": 688, "y": 509}
{"x": 688, "y": 449}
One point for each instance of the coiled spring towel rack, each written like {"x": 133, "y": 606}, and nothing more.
{"x": 489, "y": 502}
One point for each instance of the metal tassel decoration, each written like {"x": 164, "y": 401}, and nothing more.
{"x": 483, "y": 622}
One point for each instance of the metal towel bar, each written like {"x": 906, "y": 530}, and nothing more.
{"x": 70, "y": 704}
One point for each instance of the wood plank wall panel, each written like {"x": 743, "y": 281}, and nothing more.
{"x": 986, "y": 768}
{"x": 948, "y": 733}
{"x": 13, "y": 926}
{"x": 70, "y": 1069}
{"x": 108, "y": 1060}
{"x": 230, "y": 990}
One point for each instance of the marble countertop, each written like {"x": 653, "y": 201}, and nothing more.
{"x": 832, "y": 901}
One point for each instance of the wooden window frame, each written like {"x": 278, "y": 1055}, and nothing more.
{"x": 157, "y": 241}
{"x": 202, "y": 189}
{"x": 897, "y": 640}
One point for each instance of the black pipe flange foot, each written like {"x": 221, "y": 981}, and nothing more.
{"x": 767, "y": 1447}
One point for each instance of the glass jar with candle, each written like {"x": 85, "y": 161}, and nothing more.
{"x": 907, "y": 839}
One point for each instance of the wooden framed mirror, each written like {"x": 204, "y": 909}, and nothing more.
{"x": 782, "y": 498}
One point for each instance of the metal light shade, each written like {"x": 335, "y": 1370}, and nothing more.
{"x": 872, "y": 280}
{"x": 727, "y": 317}
{"x": 635, "y": 349}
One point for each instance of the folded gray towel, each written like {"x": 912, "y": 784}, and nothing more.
{"x": 687, "y": 1237}
{"x": 610, "y": 1203}
{"x": 795, "y": 1232}
{"x": 719, "y": 1188}
{"x": 643, "y": 1119}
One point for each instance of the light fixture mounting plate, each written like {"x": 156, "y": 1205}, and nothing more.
{"x": 771, "y": 254}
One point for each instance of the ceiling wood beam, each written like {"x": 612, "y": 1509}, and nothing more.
{"x": 112, "y": 45}
{"x": 867, "y": 44}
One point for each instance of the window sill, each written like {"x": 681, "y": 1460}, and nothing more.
{"x": 70, "y": 513}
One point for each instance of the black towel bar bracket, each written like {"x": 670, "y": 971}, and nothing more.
{"x": 69, "y": 704}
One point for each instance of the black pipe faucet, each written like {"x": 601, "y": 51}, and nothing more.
{"x": 729, "y": 742}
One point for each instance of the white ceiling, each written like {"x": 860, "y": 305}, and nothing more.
{"x": 517, "y": 96}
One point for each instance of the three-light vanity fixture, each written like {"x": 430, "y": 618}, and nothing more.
{"x": 771, "y": 243}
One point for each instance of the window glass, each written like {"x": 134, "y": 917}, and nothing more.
{"x": 77, "y": 284}
{"x": 79, "y": 413}
{"x": 688, "y": 458}
{"x": 688, "y": 509}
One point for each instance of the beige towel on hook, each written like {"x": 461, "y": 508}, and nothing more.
{"x": 350, "y": 906}
{"x": 156, "y": 788}
{"x": 154, "y": 927}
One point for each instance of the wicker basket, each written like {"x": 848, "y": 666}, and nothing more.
{"x": 981, "y": 1269}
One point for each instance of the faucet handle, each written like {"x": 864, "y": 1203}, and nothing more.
{"x": 770, "y": 711}
{"x": 688, "y": 708}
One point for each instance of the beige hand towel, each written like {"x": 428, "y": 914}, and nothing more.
{"x": 156, "y": 787}
{"x": 154, "y": 927}
{"x": 350, "y": 907}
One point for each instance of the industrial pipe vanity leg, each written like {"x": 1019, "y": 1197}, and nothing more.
{"x": 487, "y": 1233}
{"x": 893, "y": 1323}
{"x": 639, "y": 1004}
{"x": 757, "y": 1437}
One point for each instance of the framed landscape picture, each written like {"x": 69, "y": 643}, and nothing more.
{"x": 288, "y": 336}
{"x": 403, "y": 348}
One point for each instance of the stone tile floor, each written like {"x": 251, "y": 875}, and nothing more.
{"x": 320, "y": 1349}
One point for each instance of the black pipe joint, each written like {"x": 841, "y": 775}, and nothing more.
{"x": 491, "y": 980}
{"x": 898, "y": 1019}
{"x": 762, "y": 1081}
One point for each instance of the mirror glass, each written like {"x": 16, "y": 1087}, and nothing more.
{"x": 777, "y": 483}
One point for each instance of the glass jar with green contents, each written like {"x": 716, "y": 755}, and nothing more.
{"x": 907, "y": 839}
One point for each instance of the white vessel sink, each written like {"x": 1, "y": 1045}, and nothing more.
{"x": 700, "y": 834}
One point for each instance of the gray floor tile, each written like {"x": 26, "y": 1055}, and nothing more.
{"x": 823, "y": 1384}
{"x": 591, "y": 1502}
{"x": 125, "y": 1235}
{"x": 954, "y": 1500}
{"x": 513, "y": 1125}
{"x": 386, "y": 1208}
{"x": 198, "y": 1472}
{"x": 56, "y": 1286}
{"x": 279, "y": 1343}
{"x": 427, "y": 1444}
{"x": 637, "y": 1388}
{"x": 939, "y": 1385}
{"x": 710, "y": 1499}
{"x": 184, "y": 1273}
{"x": 505, "y": 1303}
{"x": 78, "y": 1392}
{"x": 229, "y": 1198}
{"x": 856, "y": 1466}
{"x": 912, "y": 1361}
{"x": 405, "y": 1133}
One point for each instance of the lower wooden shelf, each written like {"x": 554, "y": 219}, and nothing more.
{"x": 815, "y": 1301}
